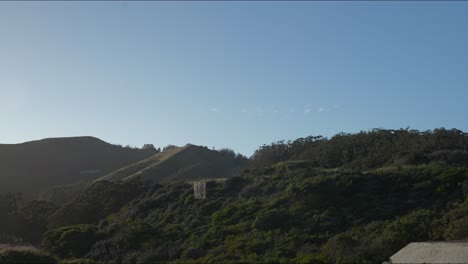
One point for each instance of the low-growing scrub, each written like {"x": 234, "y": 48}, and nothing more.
{"x": 26, "y": 256}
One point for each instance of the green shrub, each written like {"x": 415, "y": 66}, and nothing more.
{"x": 193, "y": 253}
{"x": 457, "y": 230}
{"x": 272, "y": 219}
{"x": 80, "y": 261}
{"x": 71, "y": 241}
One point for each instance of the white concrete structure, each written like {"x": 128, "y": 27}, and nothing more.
{"x": 199, "y": 190}
{"x": 432, "y": 252}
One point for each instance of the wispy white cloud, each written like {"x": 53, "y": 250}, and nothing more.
{"x": 307, "y": 111}
{"x": 243, "y": 110}
{"x": 320, "y": 110}
{"x": 292, "y": 110}
{"x": 214, "y": 109}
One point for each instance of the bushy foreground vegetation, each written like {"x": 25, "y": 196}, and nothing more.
{"x": 26, "y": 256}
{"x": 360, "y": 210}
{"x": 289, "y": 212}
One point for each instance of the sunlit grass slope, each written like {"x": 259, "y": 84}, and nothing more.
{"x": 188, "y": 162}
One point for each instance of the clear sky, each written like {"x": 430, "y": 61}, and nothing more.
{"x": 229, "y": 74}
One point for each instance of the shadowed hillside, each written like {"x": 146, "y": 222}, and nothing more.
{"x": 188, "y": 162}
{"x": 34, "y": 166}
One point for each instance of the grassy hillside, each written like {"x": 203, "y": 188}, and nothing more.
{"x": 127, "y": 171}
{"x": 189, "y": 162}
{"x": 35, "y": 166}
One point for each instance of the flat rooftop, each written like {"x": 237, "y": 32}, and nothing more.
{"x": 432, "y": 252}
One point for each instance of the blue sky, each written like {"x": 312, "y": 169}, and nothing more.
{"x": 229, "y": 74}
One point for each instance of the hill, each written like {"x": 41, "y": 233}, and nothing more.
{"x": 182, "y": 163}
{"x": 35, "y": 166}
{"x": 289, "y": 212}
{"x": 354, "y": 198}
{"x": 87, "y": 203}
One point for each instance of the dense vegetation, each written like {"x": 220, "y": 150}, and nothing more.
{"x": 15, "y": 257}
{"x": 354, "y": 198}
{"x": 291, "y": 211}
{"x": 370, "y": 149}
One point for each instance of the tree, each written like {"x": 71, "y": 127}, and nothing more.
{"x": 148, "y": 147}
{"x": 227, "y": 152}
{"x": 169, "y": 147}
{"x": 9, "y": 205}
{"x": 71, "y": 241}
{"x": 33, "y": 220}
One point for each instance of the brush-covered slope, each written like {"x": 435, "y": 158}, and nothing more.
{"x": 184, "y": 163}
{"x": 34, "y": 166}
{"x": 301, "y": 210}
{"x": 292, "y": 212}
{"x": 96, "y": 201}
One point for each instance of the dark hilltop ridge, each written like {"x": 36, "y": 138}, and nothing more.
{"x": 35, "y": 166}
{"x": 55, "y": 169}
{"x": 351, "y": 198}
